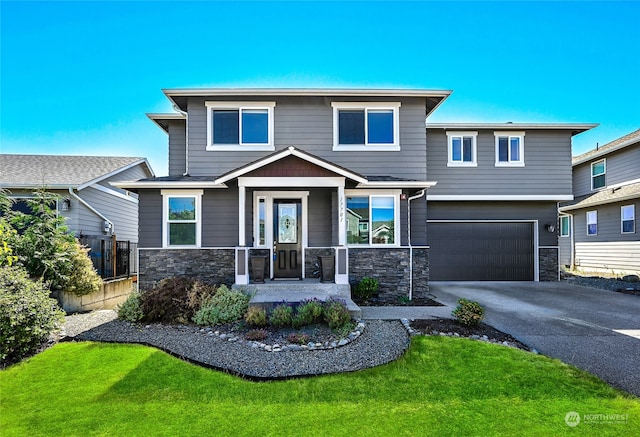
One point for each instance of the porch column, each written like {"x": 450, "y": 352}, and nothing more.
{"x": 242, "y": 193}
{"x": 342, "y": 211}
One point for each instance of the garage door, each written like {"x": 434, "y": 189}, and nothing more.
{"x": 481, "y": 251}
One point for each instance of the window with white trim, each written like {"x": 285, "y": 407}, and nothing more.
{"x": 565, "y": 226}
{"x": 366, "y": 126}
{"x": 181, "y": 213}
{"x": 628, "y": 219}
{"x": 509, "y": 149}
{"x": 240, "y": 125}
{"x": 372, "y": 219}
{"x": 598, "y": 174}
{"x": 462, "y": 149}
{"x": 592, "y": 222}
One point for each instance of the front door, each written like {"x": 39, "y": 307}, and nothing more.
{"x": 287, "y": 239}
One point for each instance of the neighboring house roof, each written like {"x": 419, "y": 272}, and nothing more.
{"x": 620, "y": 143}
{"x": 62, "y": 171}
{"x": 179, "y": 96}
{"x": 618, "y": 193}
{"x": 575, "y": 128}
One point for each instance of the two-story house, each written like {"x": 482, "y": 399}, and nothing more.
{"x": 598, "y": 228}
{"x": 294, "y": 174}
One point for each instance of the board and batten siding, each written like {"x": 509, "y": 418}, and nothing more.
{"x": 544, "y": 212}
{"x": 177, "y": 148}
{"x": 547, "y": 170}
{"x": 307, "y": 123}
{"x": 621, "y": 166}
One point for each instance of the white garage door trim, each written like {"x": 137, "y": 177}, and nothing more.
{"x": 536, "y": 243}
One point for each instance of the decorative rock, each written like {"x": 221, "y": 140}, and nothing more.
{"x": 343, "y": 342}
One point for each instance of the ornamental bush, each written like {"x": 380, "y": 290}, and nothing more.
{"x": 130, "y": 310}
{"x": 281, "y": 316}
{"x": 256, "y": 316}
{"x": 27, "y": 314}
{"x": 308, "y": 312}
{"x": 174, "y": 300}
{"x": 468, "y": 312}
{"x": 366, "y": 288}
{"x": 336, "y": 314}
{"x": 223, "y": 307}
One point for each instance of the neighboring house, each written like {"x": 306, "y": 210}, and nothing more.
{"x": 598, "y": 229}
{"x": 93, "y": 208}
{"x": 294, "y": 174}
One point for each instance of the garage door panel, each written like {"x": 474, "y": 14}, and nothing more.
{"x": 481, "y": 251}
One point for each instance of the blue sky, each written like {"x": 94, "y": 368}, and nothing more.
{"x": 78, "y": 77}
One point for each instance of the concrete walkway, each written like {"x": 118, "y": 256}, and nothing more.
{"x": 595, "y": 330}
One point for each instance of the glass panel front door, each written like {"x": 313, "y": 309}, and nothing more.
{"x": 287, "y": 247}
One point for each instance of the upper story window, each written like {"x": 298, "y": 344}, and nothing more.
{"x": 366, "y": 126}
{"x": 462, "y": 149}
{"x": 628, "y": 219}
{"x": 240, "y": 125}
{"x": 181, "y": 218}
{"x": 565, "y": 226}
{"x": 371, "y": 219}
{"x": 598, "y": 174}
{"x": 592, "y": 222}
{"x": 509, "y": 149}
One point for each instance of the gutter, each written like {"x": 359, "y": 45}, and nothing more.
{"x": 417, "y": 196}
{"x": 92, "y": 209}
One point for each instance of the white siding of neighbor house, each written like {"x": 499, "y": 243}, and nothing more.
{"x": 622, "y": 257}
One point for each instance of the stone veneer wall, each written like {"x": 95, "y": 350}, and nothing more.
{"x": 549, "y": 264}
{"x": 214, "y": 266}
{"x": 391, "y": 268}
{"x": 311, "y": 261}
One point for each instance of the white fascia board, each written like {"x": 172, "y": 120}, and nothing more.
{"x": 168, "y": 185}
{"x": 114, "y": 193}
{"x": 508, "y": 126}
{"x": 290, "y": 182}
{"x": 397, "y": 184}
{"x": 339, "y": 92}
{"x": 115, "y": 172}
{"x": 499, "y": 197}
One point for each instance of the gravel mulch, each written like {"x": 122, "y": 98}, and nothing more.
{"x": 380, "y": 343}
{"x": 611, "y": 284}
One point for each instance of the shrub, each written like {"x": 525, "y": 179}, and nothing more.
{"x": 174, "y": 300}
{"x": 468, "y": 312}
{"x": 336, "y": 314}
{"x": 256, "y": 334}
{"x": 256, "y": 316}
{"x": 83, "y": 278}
{"x": 130, "y": 310}
{"x": 298, "y": 338}
{"x": 366, "y": 288}
{"x": 307, "y": 313}
{"x": 224, "y": 307}
{"x": 27, "y": 314}
{"x": 281, "y": 316}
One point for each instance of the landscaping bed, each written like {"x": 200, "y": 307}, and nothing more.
{"x": 629, "y": 286}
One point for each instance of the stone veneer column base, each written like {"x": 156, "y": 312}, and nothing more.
{"x": 213, "y": 266}
{"x": 548, "y": 264}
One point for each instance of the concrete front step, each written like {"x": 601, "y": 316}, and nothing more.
{"x": 271, "y": 293}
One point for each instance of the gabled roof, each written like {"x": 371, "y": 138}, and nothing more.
{"x": 179, "y": 96}
{"x": 613, "y": 194}
{"x": 620, "y": 143}
{"x": 62, "y": 171}
{"x": 575, "y": 128}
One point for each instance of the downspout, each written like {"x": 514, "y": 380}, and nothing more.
{"x": 92, "y": 209}
{"x": 186, "y": 138}
{"x": 417, "y": 196}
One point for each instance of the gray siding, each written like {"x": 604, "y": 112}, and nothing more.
{"x": 320, "y": 218}
{"x": 220, "y": 218}
{"x": 123, "y": 213}
{"x": 307, "y": 123}
{"x": 547, "y": 170}
{"x": 150, "y": 219}
{"x": 608, "y": 223}
{"x": 564, "y": 245}
{"x": 177, "y": 147}
{"x": 621, "y": 166}
{"x": 544, "y": 212}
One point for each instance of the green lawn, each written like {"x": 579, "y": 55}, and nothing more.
{"x": 442, "y": 386}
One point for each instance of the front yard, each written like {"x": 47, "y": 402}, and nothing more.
{"x": 442, "y": 386}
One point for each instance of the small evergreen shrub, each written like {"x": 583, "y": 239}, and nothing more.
{"x": 256, "y": 335}
{"x": 223, "y": 307}
{"x": 468, "y": 312}
{"x": 336, "y": 314}
{"x": 27, "y": 314}
{"x": 130, "y": 310}
{"x": 256, "y": 316}
{"x": 83, "y": 278}
{"x": 174, "y": 300}
{"x": 307, "y": 313}
{"x": 281, "y": 316}
{"x": 366, "y": 288}
{"x": 298, "y": 338}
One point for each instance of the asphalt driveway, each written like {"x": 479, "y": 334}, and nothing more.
{"x": 572, "y": 323}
